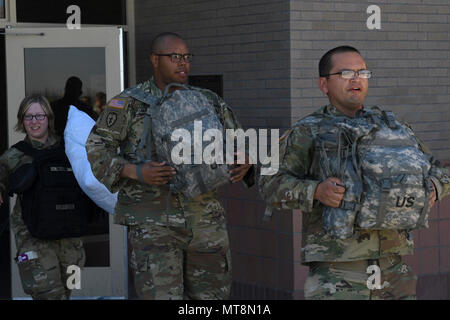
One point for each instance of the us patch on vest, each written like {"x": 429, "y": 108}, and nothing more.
{"x": 111, "y": 119}
{"x": 117, "y": 103}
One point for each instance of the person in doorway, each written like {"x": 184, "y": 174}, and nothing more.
{"x": 86, "y": 100}
{"x": 42, "y": 263}
{"x": 100, "y": 102}
{"x": 72, "y": 93}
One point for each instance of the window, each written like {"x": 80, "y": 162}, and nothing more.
{"x": 2, "y": 9}
{"x": 211, "y": 82}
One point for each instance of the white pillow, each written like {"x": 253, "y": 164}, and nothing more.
{"x": 78, "y": 127}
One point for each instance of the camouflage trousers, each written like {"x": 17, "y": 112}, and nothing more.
{"x": 349, "y": 280}
{"x": 43, "y": 265}
{"x": 177, "y": 263}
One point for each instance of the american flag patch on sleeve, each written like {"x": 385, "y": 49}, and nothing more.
{"x": 117, "y": 103}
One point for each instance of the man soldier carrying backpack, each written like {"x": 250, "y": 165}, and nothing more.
{"x": 179, "y": 245}
{"x": 363, "y": 181}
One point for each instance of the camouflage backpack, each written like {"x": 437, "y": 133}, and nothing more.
{"x": 179, "y": 110}
{"x": 384, "y": 172}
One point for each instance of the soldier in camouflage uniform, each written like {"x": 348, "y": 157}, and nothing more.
{"x": 183, "y": 253}
{"x": 42, "y": 263}
{"x": 338, "y": 267}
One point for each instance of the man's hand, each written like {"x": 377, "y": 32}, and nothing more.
{"x": 432, "y": 197}
{"x": 239, "y": 172}
{"x": 157, "y": 173}
{"x": 152, "y": 172}
{"x": 330, "y": 194}
{"x": 1, "y": 199}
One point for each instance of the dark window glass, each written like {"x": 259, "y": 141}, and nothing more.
{"x": 109, "y": 12}
{"x": 2, "y": 9}
{"x": 125, "y": 59}
{"x": 211, "y": 82}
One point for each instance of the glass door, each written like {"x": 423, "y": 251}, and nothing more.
{"x": 40, "y": 61}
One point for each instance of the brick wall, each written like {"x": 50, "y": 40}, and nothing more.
{"x": 409, "y": 56}
{"x": 431, "y": 259}
{"x": 247, "y": 42}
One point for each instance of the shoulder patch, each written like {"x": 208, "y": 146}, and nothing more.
{"x": 117, "y": 103}
{"x": 111, "y": 119}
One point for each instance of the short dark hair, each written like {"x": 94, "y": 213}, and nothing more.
{"x": 159, "y": 41}
{"x": 325, "y": 64}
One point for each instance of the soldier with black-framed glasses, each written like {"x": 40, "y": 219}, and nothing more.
{"x": 177, "y": 57}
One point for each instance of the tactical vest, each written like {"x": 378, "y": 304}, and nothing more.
{"x": 179, "y": 111}
{"x": 53, "y": 204}
{"x": 382, "y": 167}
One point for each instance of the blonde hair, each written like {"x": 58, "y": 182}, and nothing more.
{"x": 25, "y": 105}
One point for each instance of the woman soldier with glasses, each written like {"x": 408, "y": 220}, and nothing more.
{"x": 42, "y": 263}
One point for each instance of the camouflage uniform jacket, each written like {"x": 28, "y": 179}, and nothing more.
{"x": 10, "y": 161}
{"x": 294, "y": 185}
{"x": 121, "y": 126}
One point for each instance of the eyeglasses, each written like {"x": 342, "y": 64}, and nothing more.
{"x": 177, "y": 57}
{"x": 349, "y": 74}
{"x": 38, "y": 117}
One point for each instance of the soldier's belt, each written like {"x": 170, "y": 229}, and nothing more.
{"x": 359, "y": 265}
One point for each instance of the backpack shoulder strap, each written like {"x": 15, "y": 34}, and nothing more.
{"x": 152, "y": 101}
{"x": 387, "y": 116}
{"x": 175, "y": 84}
{"x": 139, "y": 94}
